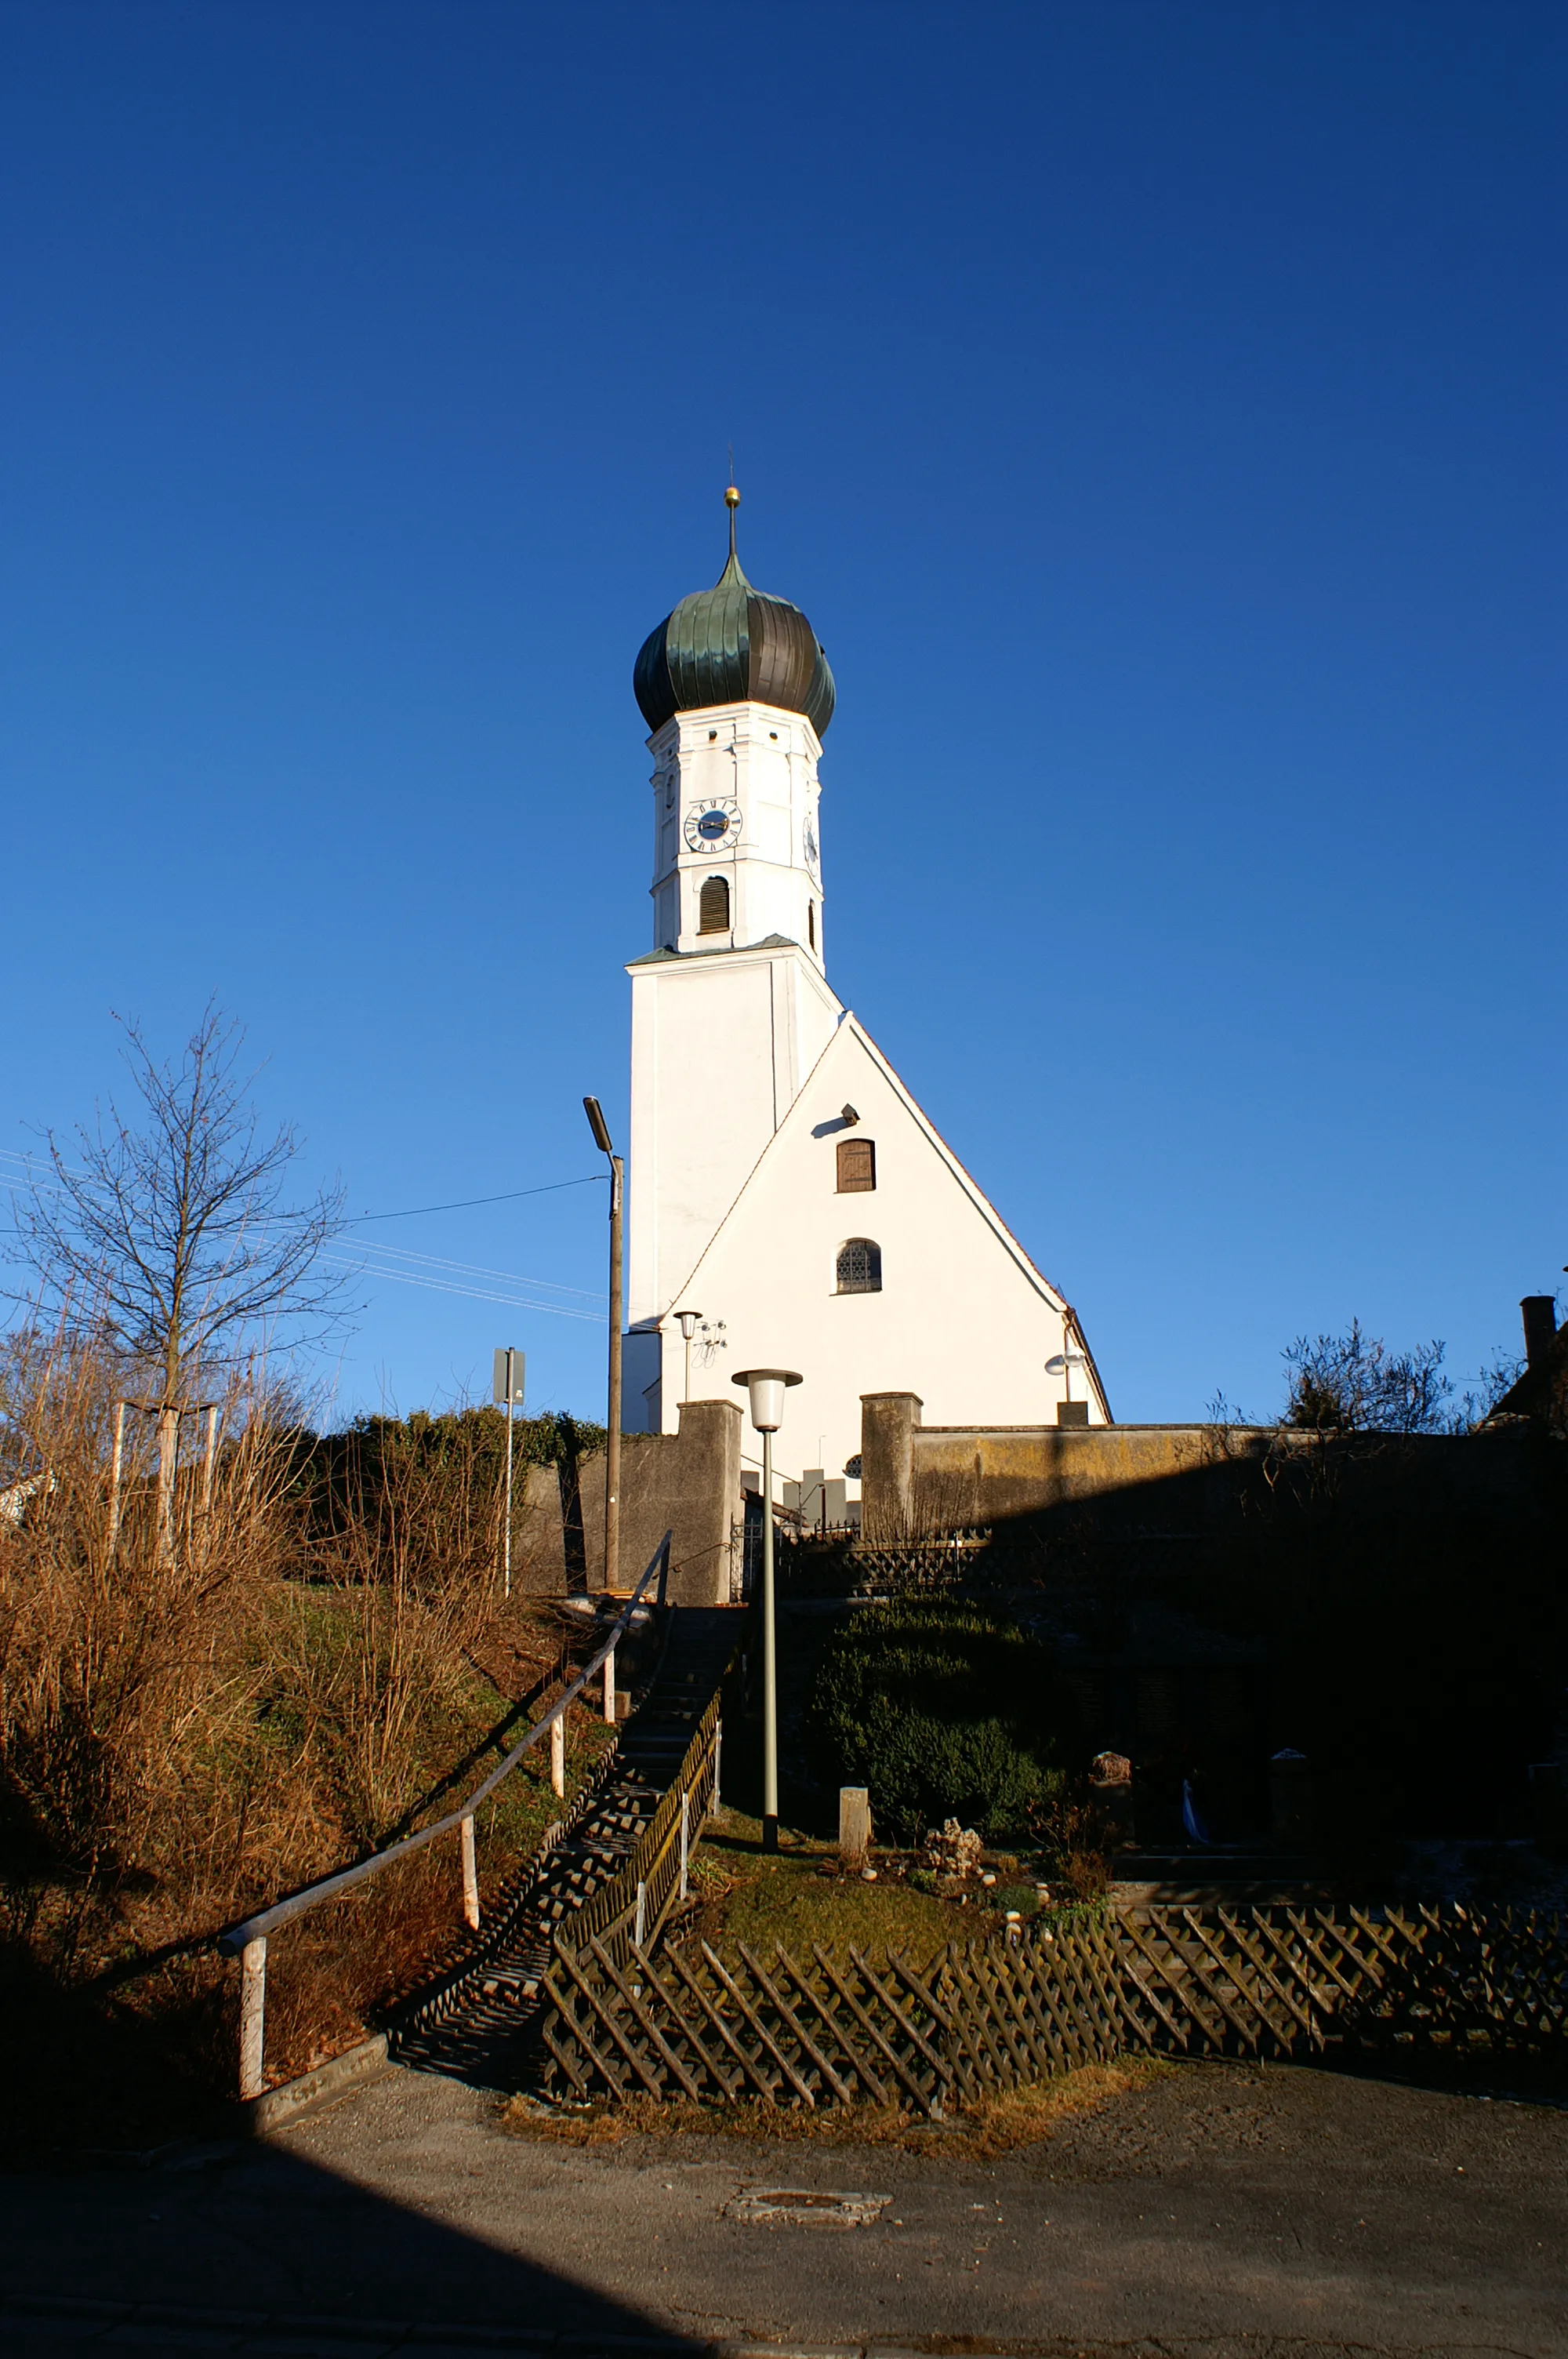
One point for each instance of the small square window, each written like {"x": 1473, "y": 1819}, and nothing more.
{"x": 856, "y": 1166}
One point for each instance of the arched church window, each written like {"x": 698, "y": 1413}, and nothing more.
{"x": 859, "y": 1267}
{"x": 811, "y": 925}
{"x": 856, "y": 1166}
{"x": 713, "y": 905}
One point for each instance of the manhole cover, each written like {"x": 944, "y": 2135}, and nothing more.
{"x": 805, "y": 2207}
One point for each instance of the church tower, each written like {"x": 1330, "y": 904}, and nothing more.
{"x": 732, "y": 1008}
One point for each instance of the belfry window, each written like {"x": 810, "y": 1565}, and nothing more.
{"x": 856, "y": 1166}
{"x": 859, "y": 1267}
{"x": 811, "y": 925}
{"x": 713, "y": 905}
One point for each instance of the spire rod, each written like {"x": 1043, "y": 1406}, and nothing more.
{"x": 731, "y": 501}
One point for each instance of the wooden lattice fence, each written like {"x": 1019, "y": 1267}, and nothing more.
{"x": 840, "y": 2029}
{"x": 628, "y": 1910}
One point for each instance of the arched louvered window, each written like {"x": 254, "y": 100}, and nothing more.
{"x": 859, "y": 1267}
{"x": 811, "y": 925}
{"x": 856, "y": 1166}
{"x": 713, "y": 905}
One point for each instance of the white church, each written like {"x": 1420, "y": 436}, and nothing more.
{"x": 786, "y": 1193}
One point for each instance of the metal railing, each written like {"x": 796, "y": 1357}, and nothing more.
{"x": 247, "y": 1939}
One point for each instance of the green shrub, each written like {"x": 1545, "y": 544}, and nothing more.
{"x": 942, "y": 1711}
{"x": 1021, "y": 1896}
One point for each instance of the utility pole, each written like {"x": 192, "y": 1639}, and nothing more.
{"x": 600, "y": 1130}
{"x": 506, "y": 1386}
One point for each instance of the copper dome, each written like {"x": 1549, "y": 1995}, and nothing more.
{"x": 728, "y": 645}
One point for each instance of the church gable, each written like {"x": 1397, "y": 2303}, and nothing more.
{"x": 862, "y": 1253}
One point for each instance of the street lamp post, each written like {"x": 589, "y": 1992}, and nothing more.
{"x": 600, "y": 1130}
{"x": 767, "y": 1386}
{"x": 689, "y": 1320}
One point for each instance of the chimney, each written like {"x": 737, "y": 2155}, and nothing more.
{"x": 1539, "y": 1312}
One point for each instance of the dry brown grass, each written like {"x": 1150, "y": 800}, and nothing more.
{"x": 185, "y": 1735}
{"x": 994, "y": 2125}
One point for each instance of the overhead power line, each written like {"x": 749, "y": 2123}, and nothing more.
{"x": 482, "y": 1269}
{"x": 355, "y": 1220}
{"x": 473, "y": 1293}
{"x": 454, "y": 1271}
{"x": 464, "y": 1203}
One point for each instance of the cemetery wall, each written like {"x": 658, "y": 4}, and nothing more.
{"x": 686, "y": 1483}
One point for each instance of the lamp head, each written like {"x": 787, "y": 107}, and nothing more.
{"x": 767, "y": 1386}
{"x": 598, "y": 1124}
{"x": 689, "y": 1320}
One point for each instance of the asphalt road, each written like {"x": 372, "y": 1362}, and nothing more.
{"x": 1217, "y": 2210}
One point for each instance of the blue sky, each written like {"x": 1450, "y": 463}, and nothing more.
{"x": 1157, "y": 410}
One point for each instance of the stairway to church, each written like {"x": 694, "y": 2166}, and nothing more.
{"x": 481, "y": 2022}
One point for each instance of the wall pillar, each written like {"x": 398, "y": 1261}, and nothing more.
{"x": 688, "y": 1484}
{"x": 706, "y": 1500}
{"x": 887, "y": 1464}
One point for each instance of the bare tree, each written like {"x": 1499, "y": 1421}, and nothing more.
{"x": 1354, "y": 1384}
{"x": 170, "y": 1233}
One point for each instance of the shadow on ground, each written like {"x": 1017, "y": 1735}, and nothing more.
{"x": 201, "y": 2236}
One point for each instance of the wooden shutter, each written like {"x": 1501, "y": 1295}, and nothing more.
{"x": 856, "y": 1166}
{"x": 713, "y": 906}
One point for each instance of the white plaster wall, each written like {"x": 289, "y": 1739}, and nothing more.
{"x": 720, "y": 1044}
{"x": 764, "y": 761}
{"x": 741, "y": 1059}
{"x": 963, "y": 1319}
{"x": 723, "y": 1033}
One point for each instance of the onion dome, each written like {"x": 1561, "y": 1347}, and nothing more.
{"x": 731, "y": 644}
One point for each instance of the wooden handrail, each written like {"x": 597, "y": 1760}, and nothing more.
{"x": 247, "y": 1939}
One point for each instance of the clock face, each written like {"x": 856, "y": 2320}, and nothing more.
{"x": 712, "y": 827}
{"x": 812, "y": 854}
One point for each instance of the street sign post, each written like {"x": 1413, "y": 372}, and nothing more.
{"x": 506, "y": 1390}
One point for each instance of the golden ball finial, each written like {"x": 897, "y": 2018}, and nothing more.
{"x": 732, "y": 497}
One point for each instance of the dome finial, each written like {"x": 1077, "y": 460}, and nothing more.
{"x": 732, "y": 645}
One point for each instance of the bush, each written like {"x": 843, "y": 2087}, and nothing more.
{"x": 942, "y": 1711}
